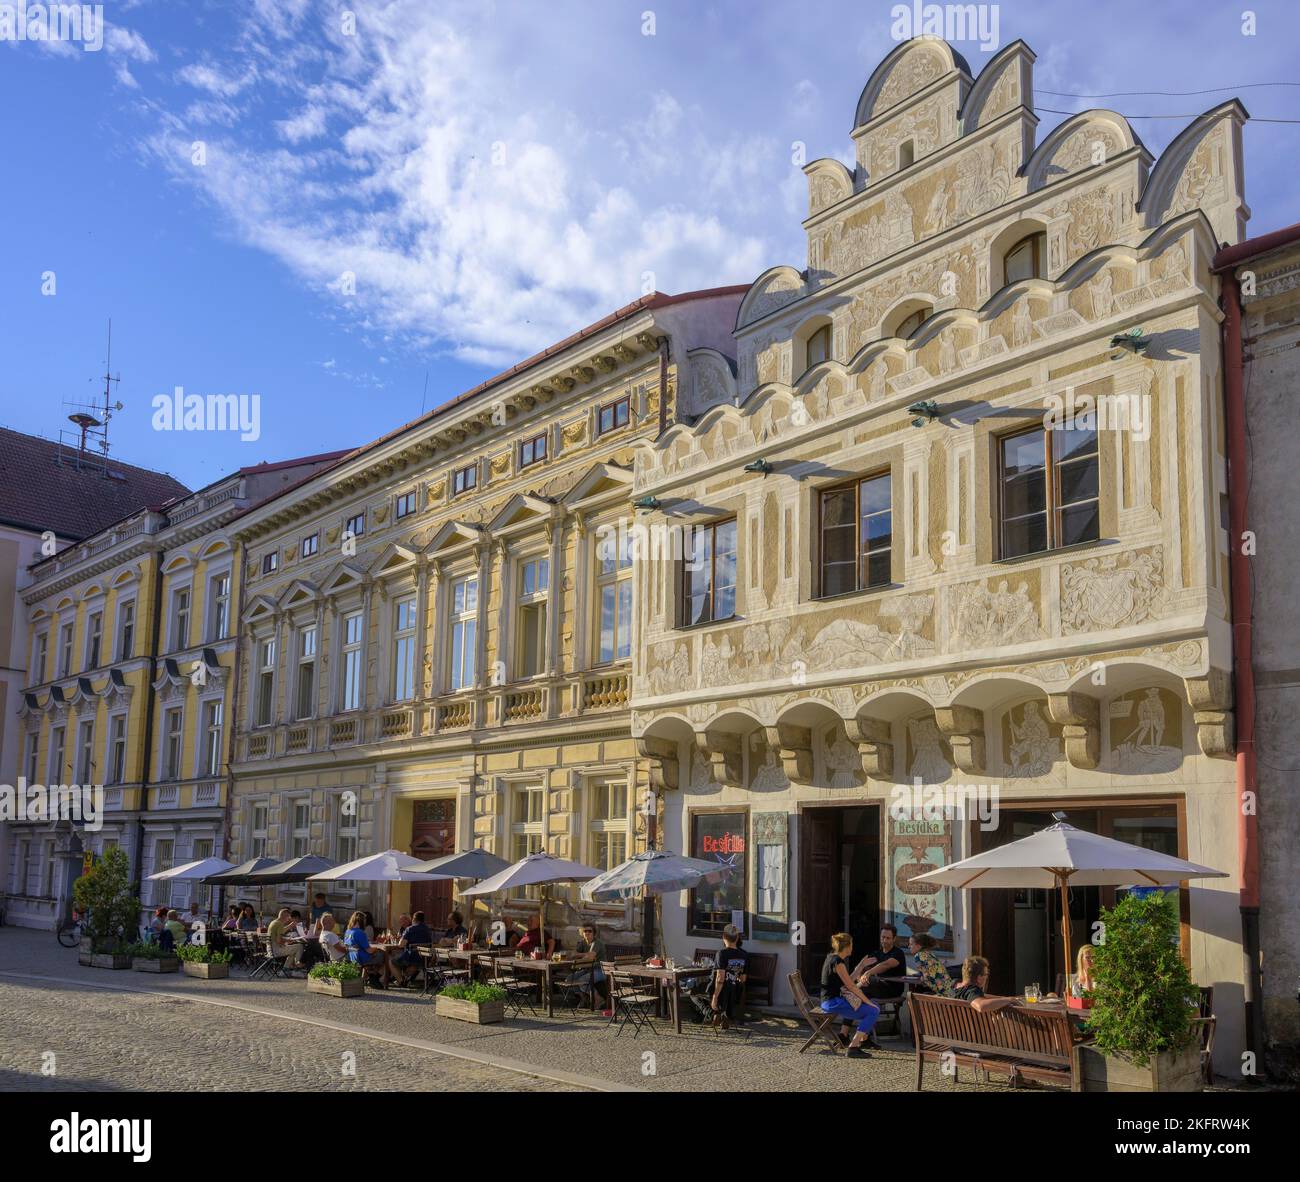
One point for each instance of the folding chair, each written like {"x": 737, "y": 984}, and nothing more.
{"x": 269, "y": 964}
{"x": 519, "y": 990}
{"x": 631, "y": 1002}
{"x": 822, "y": 1023}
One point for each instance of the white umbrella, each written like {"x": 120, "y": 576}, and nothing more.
{"x": 538, "y": 869}
{"x": 1062, "y": 856}
{"x": 193, "y": 870}
{"x": 390, "y": 866}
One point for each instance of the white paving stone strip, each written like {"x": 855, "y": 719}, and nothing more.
{"x": 38, "y": 1037}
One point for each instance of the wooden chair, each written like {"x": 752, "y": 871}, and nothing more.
{"x": 630, "y": 1001}
{"x": 519, "y": 989}
{"x": 822, "y": 1024}
{"x": 1205, "y": 1022}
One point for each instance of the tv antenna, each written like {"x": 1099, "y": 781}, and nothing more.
{"x": 88, "y": 445}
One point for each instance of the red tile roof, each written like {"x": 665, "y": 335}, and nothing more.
{"x": 37, "y": 492}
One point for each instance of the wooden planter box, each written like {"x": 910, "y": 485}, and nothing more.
{"x": 108, "y": 960}
{"x": 1168, "y": 1072}
{"x": 160, "y": 964}
{"x": 484, "y": 1013}
{"x": 205, "y": 969}
{"x": 336, "y": 987}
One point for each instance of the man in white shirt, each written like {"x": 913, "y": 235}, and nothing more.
{"x": 330, "y": 941}
{"x": 194, "y": 915}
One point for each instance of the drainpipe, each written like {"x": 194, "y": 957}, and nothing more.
{"x": 237, "y": 571}
{"x": 663, "y": 385}
{"x": 1242, "y": 653}
{"x": 155, "y": 630}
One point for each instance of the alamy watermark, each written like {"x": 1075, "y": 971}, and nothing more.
{"x": 1104, "y": 412}
{"x": 952, "y": 22}
{"x": 83, "y": 803}
{"x": 179, "y": 411}
{"x": 934, "y": 803}
{"x": 54, "y": 22}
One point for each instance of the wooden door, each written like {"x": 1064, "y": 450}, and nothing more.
{"x": 433, "y": 834}
{"x": 820, "y": 903}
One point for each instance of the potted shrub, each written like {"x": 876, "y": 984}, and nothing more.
{"x": 150, "y": 958}
{"x": 1144, "y": 1002}
{"x": 483, "y": 1004}
{"x": 339, "y": 978}
{"x": 103, "y": 896}
{"x": 202, "y": 960}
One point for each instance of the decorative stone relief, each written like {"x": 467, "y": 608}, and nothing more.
{"x": 980, "y": 617}
{"x": 914, "y": 71}
{"x": 1146, "y": 732}
{"x": 929, "y": 758}
{"x": 1031, "y": 741}
{"x": 1113, "y": 591}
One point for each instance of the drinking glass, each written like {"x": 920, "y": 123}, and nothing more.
{"x": 1032, "y": 993}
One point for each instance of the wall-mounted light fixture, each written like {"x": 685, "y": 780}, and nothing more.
{"x": 1133, "y": 341}
{"x": 925, "y": 412}
{"x": 646, "y": 504}
{"x": 761, "y": 466}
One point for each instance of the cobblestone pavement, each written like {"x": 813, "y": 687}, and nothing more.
{"x": 113, "y": 1037}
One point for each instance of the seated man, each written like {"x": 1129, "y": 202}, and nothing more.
{"x": 718, "y": 999}
{"x": 889, "y": 960}
{"x": 532, "y": 940}
{"x": 319, "y": 907}
{"x": 408, "y": 962}
{"x": 454, "y": 932}
{"x": 974, "y": 981}
{"x": 277, "y": 932}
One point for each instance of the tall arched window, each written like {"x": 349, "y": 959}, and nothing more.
{"x": 819, "y": 346}
{"x": 906, "y": 154}
{"x": 1025, "y": 259}
{"x": 911, "y": 323}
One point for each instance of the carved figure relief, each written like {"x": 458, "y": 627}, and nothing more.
{"x": 929, "y": 763}
{"x": 1033, "y": 745}
{"x": 1146, "y": 732}
{"x": 980, "y": 618}
{"x": 843, "y": 768}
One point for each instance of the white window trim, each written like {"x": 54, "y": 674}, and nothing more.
{"x": 209, "y": 629}
{"x": 122, "y": 605}
{"x": 108, "y": 747}
{"x": 172, "y": 595}
{"x": 201, "y": 770}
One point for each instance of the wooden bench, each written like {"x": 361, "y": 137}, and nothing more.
{"x": 760, "y": 973}
{"x": 1017, "y": 1041}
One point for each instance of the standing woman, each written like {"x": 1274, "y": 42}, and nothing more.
{"x": 841, "y": 995}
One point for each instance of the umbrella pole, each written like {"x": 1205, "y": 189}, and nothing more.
{"x": 1066, "y": 941}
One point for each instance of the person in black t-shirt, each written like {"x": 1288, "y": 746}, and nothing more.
{"x": 842, "y": 995}
{"x": 974, "y": 981}
{"x": 889, "y": 960}
{"x": 408, "y": 961}
{"x": 730, "y": 966}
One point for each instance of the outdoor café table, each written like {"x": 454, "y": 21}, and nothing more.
{"x": 474, "y": 956}
{"x": 546, "y": 969}
{"x": 669, "y": 981}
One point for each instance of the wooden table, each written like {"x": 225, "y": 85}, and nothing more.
{"x": 546, "y": 969}
{"x": 669, "y": 981}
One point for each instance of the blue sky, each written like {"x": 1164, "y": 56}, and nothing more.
{"x": 494, "y": 173}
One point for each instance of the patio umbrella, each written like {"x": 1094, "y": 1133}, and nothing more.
{"x": 390, "y": 866}
{"x": 657, "y": 873}
{"x": 294, "y": 870}
{"x": 242, "y": 875}
{"x": 539, "y": 869}
{"x": 1062, "y": 856}
{"x": 477, "y": 864}
{"x": 199, "y": 870}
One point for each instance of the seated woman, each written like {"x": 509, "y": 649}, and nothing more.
{"x": 591, "y": 951}
{"x": 248, "y": 918}
{"x": 1083, "y": 982}
{"x": 359, "y": 952}
{"x": 841, "y": 995}
{"x": 232, "y": 920}
{"x": 368, "y": 923}
{"x": 934, "y": 973}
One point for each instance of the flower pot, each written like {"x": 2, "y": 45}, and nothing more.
{"x": 336, "y": 986}
{"x": 86, "y": 957}
{"x": 1169, "y": 1071}
{"x": 109, "y": 960}
{"x": 208, "y": 970}
{"x": 484, "y": 1013}
{"x": 155, "y": 964}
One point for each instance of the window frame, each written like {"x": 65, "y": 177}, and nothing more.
{"x": 352, "y": 521}
{"x": 212, "y": 722}
{"x": 94, "y": 640}
{"x": 539, "y": 598}
{"x": 85, "y": 753}
{"x": 172, "y": 753}
{"x": 606, "y": 826}
{"x": 684, "y": 577}
{"x": 67, "y": 635}
{"x": 309, "y": 546}
{"x": 1052, "y": 492}
{"x": 536, "y": 457}
{"x": 404, "y": 505}
{"x": 623, "y": 402}
{"x": 180, "y": 605}
{"x": 264, "y": 695}
{"x": 40, "y": 656}
{"x": 860, "y": 555}
{"x": 1036, "y": 241}
{"x": 115, "y": 774}
{"x": 613, "y": 578}
{"x": 464, "y": 480}
{"x": 694, "y": 816}
{"x": 271, "y": 562}
{"x": 305, "y": 663}
{"x": 402, "y": 673}
{"x": 124, "y": 641}
{"x": 219, "y": 605}
{"x": 464, "y": 621}
{"x": 53, "y": 769}
{"x": 352, "y": 662}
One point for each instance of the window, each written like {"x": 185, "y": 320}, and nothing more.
{"x": 719, "y": 837}
{"x": 219, "y": 607}
{"x": 180, "y": 637}
{"x": 345, "y": 827}
{"x": 212, "y": 712}
{"x": 49, "y": 867}
{"x": 126, "y": 630}
{"x": 311, "y": 544}
{"x": 32, "y": 743}
{"x": 40, "y": 657}
{"x": 265, "y": 681}
{"x": 530, "y": 621}
{"x": 257, "y": 831}
{"x": 355, "y": 526}
{"x": 403, "y": 686}
{"x": 909, "y": 324}
{"x": 94, "y": 638}
{"x": 614, "y": 594}
{"x": 353, "y": 670}
{"x": 85, "y": 751}
{"x": 906, "y": 154}
{"x": 164, "y": 856}
{"x": 117, "y": 749}
{"x": 173, "y": 737}
{"x": 65, "y": 650}
{"x": 856, "y": 536}
{"x": 464, "y": 479}
{"x": 300, "y": 837}
{"x": 405, "y": 505}
{"x": 1049, "y": 490}
{"x": 464, "y": 633}
{"x": 55, "y": 760}
{"x": 528, "y": 828}
{"x": 270, "y": 562}
{"x": 819, "y": 346}
{"x": 613, "y": 415}
{"x": 532, "y": 451}
{"x": 1025, "y": 259}
{"x": 609, "y": 823}
{"x": 305, "y": 703}
{"x": 709, "y": 575}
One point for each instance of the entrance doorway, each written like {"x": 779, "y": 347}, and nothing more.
{"x": 433, "y": 834}
{"x": 839, "y": 881}
{"x": 1019, "y": 931}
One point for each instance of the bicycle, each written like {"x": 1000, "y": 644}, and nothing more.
{"x": 70, "y": 931}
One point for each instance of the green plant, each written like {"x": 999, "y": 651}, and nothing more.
{"x": 147, "y": 951}
{"x": 103, "y": 897}
{"x": 1143, "y": 996}
{"x": 202, "y": 954}
{"x": 338, "y": 970}
{"x": 479, "y": 994}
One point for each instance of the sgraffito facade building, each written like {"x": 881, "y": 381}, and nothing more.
{"x": 964, "y": 533}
